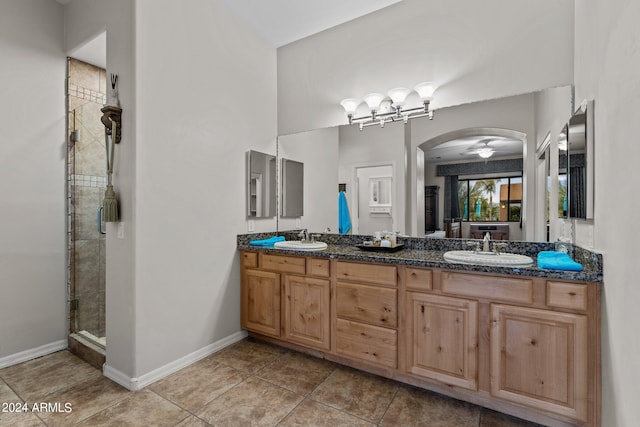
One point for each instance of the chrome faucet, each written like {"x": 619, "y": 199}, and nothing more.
{"x": 303, "y": 235}
{"x": 485, "y": 242}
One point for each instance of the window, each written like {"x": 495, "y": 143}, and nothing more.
{"x": 496, "y": 199}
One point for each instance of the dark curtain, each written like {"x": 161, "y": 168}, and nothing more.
{"x": 577, "y": 193}
{"x": 451, "y": 206}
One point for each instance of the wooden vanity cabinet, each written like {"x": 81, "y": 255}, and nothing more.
{"x": 367, "y": 313}
{"x": 306, "y": 311}
{"x": 443, "y": 339}
{"x": 260, "y": 302}
{"x": 526, "y": 346}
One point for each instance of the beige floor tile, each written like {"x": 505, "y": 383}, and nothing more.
{"x": 297, "y": 372}
{"x": 143, "y": 408}
{"x": 364, "y": 395}
{"x": 415, "y": 407}
{"x": 35, "y": 379}
{"x": 489, "y": 418}
{"x": 86, "y": 400}
{"x": 314, "y": 414}
{"x": 195, "y": 386}
{"x": 10, "y": 415}
{"x": 252, "y": 403}
{"x": 193, "y": 421}
{"x": 248, "y": 356}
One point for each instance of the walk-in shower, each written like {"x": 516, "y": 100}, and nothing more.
{"x": 86, "y": 182}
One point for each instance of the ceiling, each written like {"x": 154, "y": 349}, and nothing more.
{"x": 284, "y": 21}
{"x": 279, "y": 22}
{"x": 466, "y": 148}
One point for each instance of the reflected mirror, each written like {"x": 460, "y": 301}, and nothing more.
{"x": 335, "y": 155}
{"x": 261, "y": 185}
{"x": 292, "y": 188}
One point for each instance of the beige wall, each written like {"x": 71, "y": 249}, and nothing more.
{"x": 32, "y": 179}
{"x": 607, "y": 65}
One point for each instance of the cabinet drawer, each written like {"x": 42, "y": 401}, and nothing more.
{"x": 249, "y": 259}
{"x": 369, "y": 304}
{"x": 366, "y": 342}
{"x": 418, "y": 279}
{"x": 318, "y": 267}
{"x": 567, "y": 295}
{"x": 283, "y": 264}
{"x": 367, "y": 273}
{"x": 489, "y": 287}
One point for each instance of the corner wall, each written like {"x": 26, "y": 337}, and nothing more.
{"x": 32, "y": 179}
{"x": 607, "y": 65}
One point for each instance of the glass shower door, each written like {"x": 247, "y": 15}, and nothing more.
{"x": 87, "y": 182}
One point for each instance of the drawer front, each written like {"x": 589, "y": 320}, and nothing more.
{"x": 318, "y": 267}
{"x": 490, "y": 287}
{"x": 418, "y": 279}
{"x": 367, "y": 273}
{"x": 567, "y": 295}
{"x": 249, "y": 259}
{"x": 283, "y": 264}
{"x": 366, "y": 342}
{"x": 370, "y": 304}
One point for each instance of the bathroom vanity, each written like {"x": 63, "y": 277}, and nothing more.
{"x": 521, "y": 341}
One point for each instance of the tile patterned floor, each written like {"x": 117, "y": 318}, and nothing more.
{"x": 247, "y": 384}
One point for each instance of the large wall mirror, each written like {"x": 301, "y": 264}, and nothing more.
{"x": 478, "y": 146}
{"x": 261, "y": 185}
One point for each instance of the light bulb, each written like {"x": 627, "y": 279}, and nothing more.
{"x": 398, "y": 96}
{"x": 373, "y": 100}
{"x": 425, "y": 90}
{"x": 485, "y": 153}
{"x": 350, "y": 105}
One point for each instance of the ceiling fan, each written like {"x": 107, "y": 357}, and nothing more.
{"x": 483, "y": 148}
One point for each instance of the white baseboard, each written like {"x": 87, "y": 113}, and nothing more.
{"x": 168, "y": 369}
{"x": 24, "y": 356}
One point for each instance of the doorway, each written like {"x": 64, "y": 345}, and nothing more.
{"x": 375, "y": 197}
{"x": 86, "y": 182}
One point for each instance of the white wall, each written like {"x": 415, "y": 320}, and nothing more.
{"x": 84, "y": 19}
{"x": 32, "y": 176}
{"x": 318, "y": 150}
{"x": 473, "y": 50}
{"x": 197, "y": 70}
{"x": 607, "y": 65}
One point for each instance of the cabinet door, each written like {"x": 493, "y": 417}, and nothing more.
{"x": 442, "y": 341}
{"x": 306, "y": 311}
{"x": 260, "y": 302}
{"x": 539, "y": 359}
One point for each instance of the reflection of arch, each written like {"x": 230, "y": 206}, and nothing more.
{"x": 479, "y": 131}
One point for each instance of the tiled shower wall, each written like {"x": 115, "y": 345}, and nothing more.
{"x": 86, "y": 176}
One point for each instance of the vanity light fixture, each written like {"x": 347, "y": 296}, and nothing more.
{"x": 384, "y": 109}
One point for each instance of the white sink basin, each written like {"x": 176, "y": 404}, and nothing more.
{"x": 488, "y": 258}
{"x": 301, "y": 246}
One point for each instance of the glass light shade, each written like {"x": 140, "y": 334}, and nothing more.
{"x": 425, "y": 90}
{"x": 350, "y": 105}
{"x": 373, "y": 100}
{"x": 485, "y": 153}
{"x": 398, "y": 95}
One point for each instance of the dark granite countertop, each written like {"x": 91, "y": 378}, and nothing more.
{"x": 430, "y": 254}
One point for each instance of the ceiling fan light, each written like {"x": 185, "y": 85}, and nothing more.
{"x": 485, "y": 153}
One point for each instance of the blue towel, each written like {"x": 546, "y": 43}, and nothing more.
{"x": 267, "y": 242}
{"x": 344, "y": 221}
{"x": 551, "y": 260}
